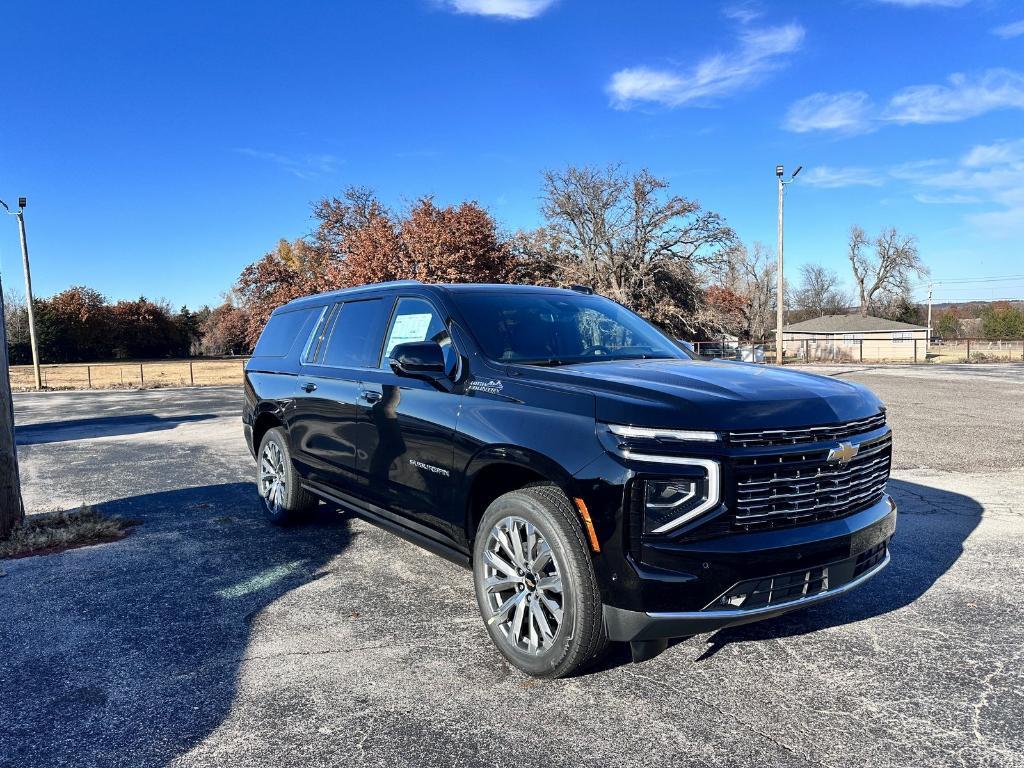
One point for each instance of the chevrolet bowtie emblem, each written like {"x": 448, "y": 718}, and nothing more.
{"x": 844, "y": 453}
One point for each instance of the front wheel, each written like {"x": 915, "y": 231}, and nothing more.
{"x": 535, "y": 583}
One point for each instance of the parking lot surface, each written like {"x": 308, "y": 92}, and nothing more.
{"x": 208, "y": 637}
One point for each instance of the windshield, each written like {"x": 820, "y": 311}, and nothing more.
{"x": 556, "y": 329}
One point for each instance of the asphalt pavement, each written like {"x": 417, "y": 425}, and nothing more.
{"x": 208, "y": 637}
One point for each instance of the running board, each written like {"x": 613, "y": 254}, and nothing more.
{"x": 391, "y": 523}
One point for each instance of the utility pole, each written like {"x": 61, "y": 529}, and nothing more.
{"x": 780, "y": 298}
{"x": 20, "y": 213}
{"x": 11, "y": 510}
{"x": 928, "y": 343}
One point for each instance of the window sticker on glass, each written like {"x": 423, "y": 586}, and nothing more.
{"x": 408, "y": 328}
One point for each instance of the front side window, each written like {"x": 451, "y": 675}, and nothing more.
{"x": 554, "y": 328}
{"x": 354, "y": 337}
{"x": 417, "y": 320}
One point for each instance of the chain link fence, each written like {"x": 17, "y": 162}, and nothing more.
{"x": 868, "y": 350}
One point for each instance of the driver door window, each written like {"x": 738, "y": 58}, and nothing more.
{"x": 417, "y": 320}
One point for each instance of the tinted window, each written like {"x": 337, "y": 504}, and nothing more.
{"x": 282, "y": 330}
{"x": 557, "y": 328}
{"x": 355, "y": 334}
{"x": 416, "y": 320}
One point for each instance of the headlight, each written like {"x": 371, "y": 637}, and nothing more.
{"x": 667, "y": 435}
{"x": 673, "y": 502}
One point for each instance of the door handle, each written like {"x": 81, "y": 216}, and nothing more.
{"x": 371, "y": 396}
{"x": 309, "y": 386}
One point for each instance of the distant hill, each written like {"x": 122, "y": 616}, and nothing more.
{"x": 972, "y": 309}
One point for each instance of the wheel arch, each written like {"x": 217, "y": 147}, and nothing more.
{"x": 263, "y": 423}
{"x": 500, "y": 469}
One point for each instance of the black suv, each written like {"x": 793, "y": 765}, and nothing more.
{"x": 601, "y": 482}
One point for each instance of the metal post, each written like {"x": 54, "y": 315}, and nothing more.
{"x": 968, "y": 350}
{"x": 861, "y": 349}
{"x": 142, "y": 376}
{"x": 780, "y": 298}
{"x": 88, "y": 373}
{"x": 191, "y": 374}
{"x": 927, "y": 344}
{"x": 12, "y": 511}
{"x": 28, "y": 297}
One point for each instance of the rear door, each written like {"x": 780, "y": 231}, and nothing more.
{"x": 408, "y": 425}
{"x": 325, "y": 419}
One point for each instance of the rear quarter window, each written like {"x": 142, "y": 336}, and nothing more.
{"x": 283, "y": 330}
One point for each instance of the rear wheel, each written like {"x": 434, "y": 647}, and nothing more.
{"x": 535, "y": 583}
{"x": 284, "y": 499}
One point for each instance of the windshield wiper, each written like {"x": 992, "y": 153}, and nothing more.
{"x": 544, "y": 362}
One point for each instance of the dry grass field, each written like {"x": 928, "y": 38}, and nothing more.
{"x": 162, "y": 373}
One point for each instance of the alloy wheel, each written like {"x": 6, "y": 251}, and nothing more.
{"x": 523, "y": 585}
{"x": 272, "y": 476}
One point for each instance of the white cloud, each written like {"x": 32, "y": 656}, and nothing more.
{"x": 923, "y": 3}
{"x": 1014, "y": 29}
{"x": 760, "y": 51}
{"x": 300, "y": 166}
{"x": 963, "y": 97}
{"x": 506, "y": 9}
{"x": 846, "y": 112}
{"x": 744, "y": 13}
{"x": 827, "y": 177}
{"x": 929, "y": 199}
{"x": 988, "y": 174}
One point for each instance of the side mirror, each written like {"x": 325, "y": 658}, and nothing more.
{"x": 418, "y": 360}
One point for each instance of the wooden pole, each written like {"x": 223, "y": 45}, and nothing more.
{"x": 12, "y": 511}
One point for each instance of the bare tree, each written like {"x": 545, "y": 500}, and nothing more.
{"x": 15, "y": 317}
{"x": 628, "y": 239}
{"x": 819, "y": 293}
{"x": 750, "y": 273}
{"x": 885, "y": 274}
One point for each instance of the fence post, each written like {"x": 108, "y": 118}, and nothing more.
{"x": 968, "y": 350}
{"x": 860, "y": 345}
{"x": 142, "y": 376}
{"x": 88, "y": 375}
{"x": 915, "y": 350}
{"x": 191, "y": 375}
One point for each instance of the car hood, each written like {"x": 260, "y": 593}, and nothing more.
{"x": 712, "y": 395}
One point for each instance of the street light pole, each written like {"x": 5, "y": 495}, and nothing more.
{"x": 20, "y": 213}
{"x": 928, "y": 342}
{"x": 12, "y": 512}
{"x": 780, "y": 289}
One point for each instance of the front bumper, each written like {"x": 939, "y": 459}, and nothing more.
{"x": 805, "y": 580}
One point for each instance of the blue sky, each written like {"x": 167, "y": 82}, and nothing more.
{"x": 164, "y": 146}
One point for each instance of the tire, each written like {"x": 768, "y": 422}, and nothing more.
{"x": 543, "y": 632}
{"x": 284, "y": 499}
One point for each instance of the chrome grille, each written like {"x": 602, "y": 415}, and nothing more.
{"x": 789, "y": 489}
{"x": 769, "y": 437}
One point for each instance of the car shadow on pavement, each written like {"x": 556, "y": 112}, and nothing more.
{"x": 930, "y": 532}
{"x": 101, "y": 426}
{"x": 129, "y": 653}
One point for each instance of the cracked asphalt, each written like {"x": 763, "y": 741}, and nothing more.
{"x": 208, "y": 637}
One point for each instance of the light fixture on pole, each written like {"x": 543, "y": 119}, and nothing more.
{"x": 780, "y": 298}
{"x": 20, "y": 213}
